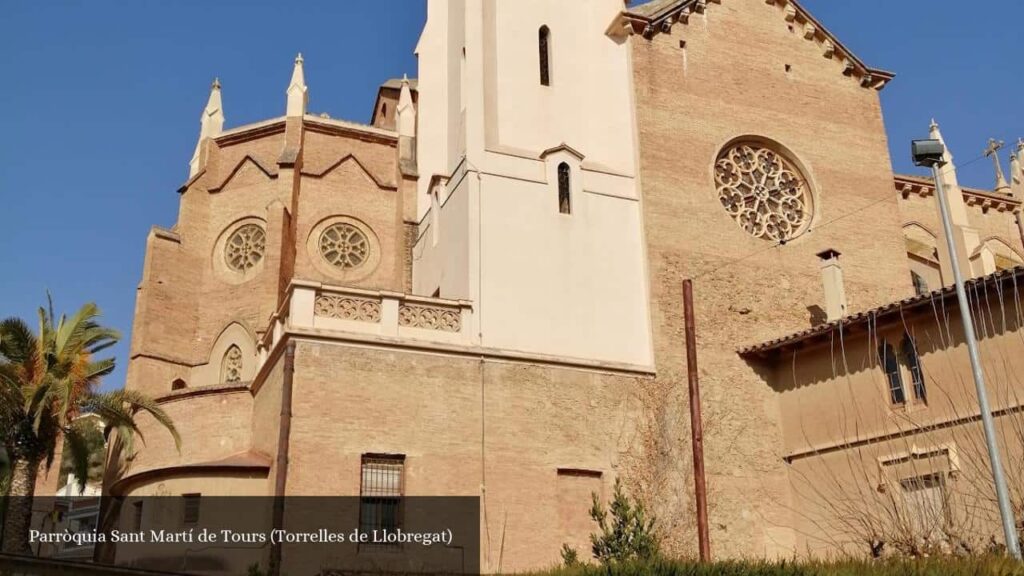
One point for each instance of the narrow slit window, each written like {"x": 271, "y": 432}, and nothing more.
{"x": 914, "y": 365}
{"x": 891, "y": 366}
{"x": 543, "y": 45}
{"x": 564, "y": 187}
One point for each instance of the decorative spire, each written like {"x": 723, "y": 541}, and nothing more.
{"x": 962, "y": 235}
{"x": 949, "y": 169}
{"x": 211, "y": 124}
{"x": 406, "y": 125}
{"x": 1017, "y": 171}
{"x": 406, "y": 110}
{"x": 297, "y": 91}
{"x": 994, "y": 146}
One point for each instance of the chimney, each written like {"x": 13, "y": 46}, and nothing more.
{"x": 832, "y": 278}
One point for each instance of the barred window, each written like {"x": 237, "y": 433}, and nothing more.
{"x": 137, "y": 515}
{"x": 925, "y": 499}
{"x": 380, "y": 493}
{"x": 564, "y": 182}
{"x": 191, "y": 508}
{"x": 543, "y": 40}
{"x": 891, "y": 366}
{"x": 914, "y": 364}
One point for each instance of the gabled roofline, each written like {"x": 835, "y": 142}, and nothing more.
{"x": 563, "y": 147}
{"x": 659, "y": 16}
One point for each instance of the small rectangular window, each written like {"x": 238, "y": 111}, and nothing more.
{"x": 137, "y": 516}
{"x": 380, "y": 494}
{"x": 191, "y": 508}
{"x": 925, "y": 500}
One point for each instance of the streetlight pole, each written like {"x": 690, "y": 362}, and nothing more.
{"x": 1002, "y": 494}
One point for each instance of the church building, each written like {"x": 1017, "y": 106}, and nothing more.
{"x": 477, "y": 292}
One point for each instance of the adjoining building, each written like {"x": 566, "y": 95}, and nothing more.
{"x": 478, "y": 292}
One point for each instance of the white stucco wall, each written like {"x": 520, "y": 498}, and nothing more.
{"x": 542, "y": 282}
{"x": 588, "y": 103}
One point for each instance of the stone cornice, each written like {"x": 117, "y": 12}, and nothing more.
{"x": 364, "y": 132}
{"x": 659, "y": 16}
{"x": 981, "y": 199}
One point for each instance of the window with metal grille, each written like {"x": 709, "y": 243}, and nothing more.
{"x": 137, "y": 517}
{"x": 564, "y": 200}
{"x": 380, "y": 493}
{"x": 543, "y": 40}
{"x": 924, "y": 498}
{"x": 909, "y": 349}
{"x": 891, "y": 366}
{"x": 191, "y": 508}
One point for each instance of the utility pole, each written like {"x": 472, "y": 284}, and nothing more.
{"x": 930, "y": 153}
{"x": 696, "y": 427}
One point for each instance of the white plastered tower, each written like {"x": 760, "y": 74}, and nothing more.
{"x": 491, "y": 138}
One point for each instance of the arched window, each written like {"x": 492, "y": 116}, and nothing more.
{"x": 564, "y": 200}
{"x": 909, "y": 349}
{"x": 231, "y": 365}
{"x": 543, "y": 45}
{"x": 178, "y": 384}
{"x": 920, "y": 284}
{"x": 891, "y": 366}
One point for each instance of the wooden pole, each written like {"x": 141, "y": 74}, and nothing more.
{"x": 696, "y": 427}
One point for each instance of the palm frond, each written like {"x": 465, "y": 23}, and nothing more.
{"x": 17, "y": 342}
{"x": 136, "y": 401}
{"x": 78, "y": 451}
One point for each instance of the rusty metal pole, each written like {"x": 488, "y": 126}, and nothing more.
{"x": 696, "y": 427}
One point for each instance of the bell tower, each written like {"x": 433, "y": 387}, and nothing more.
{"x": 528, "y": 194}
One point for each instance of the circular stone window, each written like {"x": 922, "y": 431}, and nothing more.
{"x": 763, "y": 191}
{"x": 245, "y": 247}
{"x": 344, "y": 246}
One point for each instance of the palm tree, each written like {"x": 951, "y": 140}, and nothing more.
{"x": 47, "y": 380}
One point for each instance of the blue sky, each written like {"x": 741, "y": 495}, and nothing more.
{"x": 101, "y": 102}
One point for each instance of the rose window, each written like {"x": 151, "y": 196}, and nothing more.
{"x": 763, "y": 191}
{"x": 344, "y": 246}
{"x": 245, "y": 248}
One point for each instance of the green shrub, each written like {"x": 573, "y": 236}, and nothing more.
{"x": 570, "y": 557}
{"x": 629, "y": 536}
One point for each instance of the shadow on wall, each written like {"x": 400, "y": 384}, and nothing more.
{"x": 934, "y": 326}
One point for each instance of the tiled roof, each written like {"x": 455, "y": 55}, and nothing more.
{"x": 396, "y": 83}
{"x": 945, "y": 297}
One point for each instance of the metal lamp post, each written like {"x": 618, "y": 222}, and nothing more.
{"x": 930, "y": 153}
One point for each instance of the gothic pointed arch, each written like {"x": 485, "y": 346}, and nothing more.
{"x": 231, "y": 360}
{"x": 1003, "y": 255}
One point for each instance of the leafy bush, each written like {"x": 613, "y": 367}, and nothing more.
{"x": 629, "y": 536}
